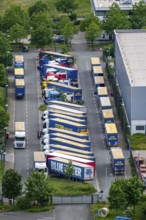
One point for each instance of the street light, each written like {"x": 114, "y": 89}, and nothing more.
{"x": 6, "y": 90}
{"x": 55, "y": 42}
{"x": 2, "y": 154}
{"x": 5, "y": 129}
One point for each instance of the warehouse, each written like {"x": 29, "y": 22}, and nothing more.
{"x": 100, "y": 7}
{"x": 130, "y": 71}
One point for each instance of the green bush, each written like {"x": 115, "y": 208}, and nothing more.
{"x": 23, "y": 202}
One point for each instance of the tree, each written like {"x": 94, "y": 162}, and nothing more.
{"x": 39, "y": 6}
{"x": 3, "y": 76}
{"x": 41, "y": 18}
{"x": 15, "y": 14}
{"x": 66, "y": 6}
{"x": 5, "y": 57}
{"x": 93, "y": 31}
{"x": 42, "y": 36}
{"x": 17, "y": 32}
{"x": 115, "y": 18}
{"x": 133, "y": 191}
{"x": 69, "y": 170}
{"x": 66, "y": 29}
{"x": 11, "y": 184}
{"x": 38, "y": 188}
{"x": 116, "y": 196}
{"x": 138, "y": 15}
{"x": 87, "y": 21}
{"x": 4, "y": 119}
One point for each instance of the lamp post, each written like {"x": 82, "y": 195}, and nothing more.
{"x": 6, "y": 90}
{"x": 55, "y": 42}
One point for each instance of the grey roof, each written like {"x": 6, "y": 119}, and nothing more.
{"x": 132, "y": 44}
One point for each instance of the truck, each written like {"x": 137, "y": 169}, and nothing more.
{"x": 108, "y": 116}
{"x": 102, "y": 91}
{"x": 70, "y": 93}
{"x": 68, "y": 59}
{"x": 66, "y": 117}
{"x": 71, "y": 73}
{"x": 50, "y": 95}
{"x": 46, "y": 138}
{"x": 66, "y": 132}
{"x": 117, "y": 160}
{"x": 18, "y": 61}
{"x": 64, "y": 124}
{"x": 82, "y": 108}
{"x": 19, "y": 73}
{"x": 39, "y": 161}
{"x": 111, "y": 134}
{"x": 97, "y": 71}
{"x": 52, "y": 147}
{"x": 20, "y": 135}
{"x": 19, "y": 88}
{"x": 82, "y": 172}
{"x": 105, "y": 103}
{"x": 50, "y": 155}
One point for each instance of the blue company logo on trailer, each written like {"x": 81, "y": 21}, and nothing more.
{"x": 89, "y": 172}
{"x": 119, "y": 164}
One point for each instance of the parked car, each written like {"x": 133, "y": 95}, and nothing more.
{"x": 24, "y": 48}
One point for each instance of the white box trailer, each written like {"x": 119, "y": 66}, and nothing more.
{"x": 39, "y": 161}
{"x": 20, "y": 135}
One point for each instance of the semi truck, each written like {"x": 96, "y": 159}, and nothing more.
{"x": 117, "y": 160}
{"x": 82, "y": 172}
{"x": 53, "y": 147}
{"x": 50, "y": 95}
{"x": 19, "y": 61}
{"x": 19, "y": 88}
{"x": 111, "y": 134}
{"x": 66, "y": 132}
{"x": 82, "y": 108}
{"x": 70, "y": 93}
{"x": 47, "y": 138}
{"x": 105, "y": 103}
{"x": 108, "y": 116}
{"x": 19, "y": 73}
{"x": 20, "y": 135}
{"x": 39, "y": 161}
{"x": 64, "y": 124}
{"x": 50, "y": 155}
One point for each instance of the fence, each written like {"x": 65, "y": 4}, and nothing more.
{"x": 66, "y": 200}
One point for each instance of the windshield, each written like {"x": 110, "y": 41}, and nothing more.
{"x": 19, "y": 138}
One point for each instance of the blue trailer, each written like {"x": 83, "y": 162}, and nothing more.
{"x": 18, "y": 61}
{"x": 66, "y": 117}
{"x": 108, "y": 116}
{"x": 19, "y": 88}
{"x": 71, "y": 73}
{"x": 71, "y": 149}
{"x": 19, "y": 73}
{"x": 105, "y": 103}
{"x": 51, "y": 95}
{"x": 68, "y": 59}
{"x": 111, "y": 134}
{"x": 102, "y": 91}
{"x": 66, "y": 125}
{"x": 69, "y": 143}
{"x": 70, "y": 93}
{"x": 71, "y": 133}
{"x": 117, "y": 160}
{"x": 81, "y": 171}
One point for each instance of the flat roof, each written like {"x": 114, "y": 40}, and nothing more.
{"x": 95, "y": 61}
{"x": 97, "y": 69}
{"x": 117, "y": 152}
{"x": 107, "y": 113}
{"x": 111, "y": 128}
{"x": 132, "y": 45}
{"x": 102, "y": 90}
{"x": 105, "y": 101}
{"x": 101, "y": 5}
{"x": 99, "y": 79}
{"x": 19, "y": 82}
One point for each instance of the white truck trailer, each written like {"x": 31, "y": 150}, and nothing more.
{"x": 39, "y": 161}
{"x": 20, "y": 135}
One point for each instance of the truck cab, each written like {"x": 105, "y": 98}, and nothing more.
{"x": 20, "y": 135}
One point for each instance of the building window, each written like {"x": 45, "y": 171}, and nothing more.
{"x": 140, "y": 128}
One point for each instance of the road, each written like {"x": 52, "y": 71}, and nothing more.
{"x": 27, "y": 110}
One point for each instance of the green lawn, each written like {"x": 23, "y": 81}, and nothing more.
{"x": 67, "y": 187}
{"x": 138, "y": 141}
{"x": 83, "y": 9}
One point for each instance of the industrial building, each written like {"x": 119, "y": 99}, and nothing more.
{"x": 130, "y": 72}
{"x": 100, "y": 7}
